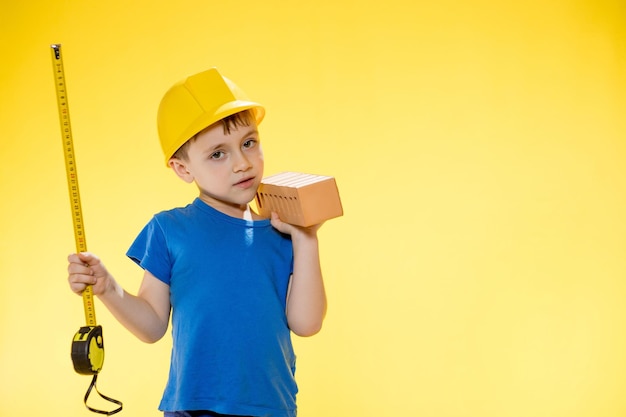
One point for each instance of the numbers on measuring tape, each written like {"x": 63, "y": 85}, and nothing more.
{"x": 71, "y": 171}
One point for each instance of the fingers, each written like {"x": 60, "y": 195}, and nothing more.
{"x": 78, "y": 283}
{"x": 279, "y": 224}
{"x": 290, "y": 229}
{"x": 81, "y": 263}
{"x": 82, "y": 271}
{"x": 87, "y": 258}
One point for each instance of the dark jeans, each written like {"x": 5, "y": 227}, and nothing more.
{"x": 196, "y": 414}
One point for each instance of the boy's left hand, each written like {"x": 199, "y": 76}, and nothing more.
{"x": 290, "y": 229}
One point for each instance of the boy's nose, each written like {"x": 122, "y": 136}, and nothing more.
{"x": 242, "y": 163}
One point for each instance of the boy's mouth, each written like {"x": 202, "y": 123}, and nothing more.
{"x": 245, "y": 183}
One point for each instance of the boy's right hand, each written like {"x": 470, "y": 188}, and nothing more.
{"x": 86, "y": 269}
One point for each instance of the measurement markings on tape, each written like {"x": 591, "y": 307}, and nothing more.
{"x": 70, "y": 169}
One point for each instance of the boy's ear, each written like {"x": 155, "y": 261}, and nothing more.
{"x": 180, "y": 168}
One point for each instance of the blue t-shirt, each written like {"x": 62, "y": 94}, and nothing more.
{"x": 228, "y": 278}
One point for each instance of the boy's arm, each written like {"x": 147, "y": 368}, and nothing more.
{"x": 146, "y": 315}
{"x": 306, "y": 297}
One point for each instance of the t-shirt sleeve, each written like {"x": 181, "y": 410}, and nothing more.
{"x": 149, "y": 251}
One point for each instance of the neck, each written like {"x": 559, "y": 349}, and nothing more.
{"x": 244, "y": 211}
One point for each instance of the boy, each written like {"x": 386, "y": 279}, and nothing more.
{"x": 236, "y": 284}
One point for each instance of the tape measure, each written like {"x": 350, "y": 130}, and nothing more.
{"x": 87, "y": 345}
{"x": 70, "y": 170}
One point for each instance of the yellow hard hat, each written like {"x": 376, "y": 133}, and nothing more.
{"x": 197, "y": 102}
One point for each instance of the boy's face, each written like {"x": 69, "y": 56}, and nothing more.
{"x": 226, "y": 167}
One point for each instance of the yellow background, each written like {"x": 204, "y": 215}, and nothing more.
{"x": 479, "y": 148}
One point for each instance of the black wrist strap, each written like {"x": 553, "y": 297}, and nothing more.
{"x": 109, "y": 399}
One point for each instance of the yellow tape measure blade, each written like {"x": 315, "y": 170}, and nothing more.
{"x": 70, "y": 169}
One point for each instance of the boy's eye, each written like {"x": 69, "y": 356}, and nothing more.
{"x": 217, "y": 155}
{"x": 249, "y": 143}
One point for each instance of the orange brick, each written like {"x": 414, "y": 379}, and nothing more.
{"x": 299, "y": 199}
